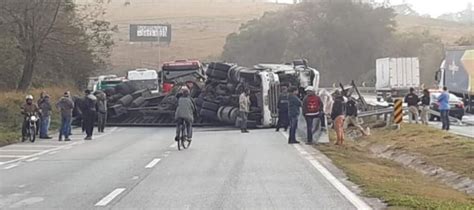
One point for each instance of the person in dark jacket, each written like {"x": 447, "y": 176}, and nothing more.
{"x": 46, "y": 108}
{"x": 294, "y": 111}
{"x": 425, "y": 106}
{"x": 283, "y": 120}
{"x": 351, "y": 117}
{"x": 184, "y": 115}
{"x": 412, "y": 101}
{"x": 337, "y": 116}
{"x": 65, "y": 106}
{"x": 89, "y": 113}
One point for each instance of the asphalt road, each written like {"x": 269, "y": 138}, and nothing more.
{"x": 140, "y": 168}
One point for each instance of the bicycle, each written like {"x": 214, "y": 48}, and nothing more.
{"x": 181, "y": 140}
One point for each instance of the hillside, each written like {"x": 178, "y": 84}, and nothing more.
{"x": 201, "y": 26}
{"x": 448, "y": 31}
{"x": 199, "y": 29}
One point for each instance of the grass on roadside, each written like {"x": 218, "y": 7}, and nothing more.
{"x": 400, "y": 187}
{"x": 10, "y": 117}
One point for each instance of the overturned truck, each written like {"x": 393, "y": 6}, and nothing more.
{"x": 217, "y": 100}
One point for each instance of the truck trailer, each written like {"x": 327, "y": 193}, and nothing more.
{"x": 395, "y": 77}
{"x": 457, "y": 74}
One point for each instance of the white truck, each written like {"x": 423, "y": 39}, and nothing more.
{"x": 144, "y": 79}
{"x": 395, "y": 77}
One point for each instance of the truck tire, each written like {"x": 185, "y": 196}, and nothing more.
{"x": 208, "y": 114}
{"x": 217, "y": 74}
{"x": 125, "y": 101}
{"x": 123, "y": 88}
{"x": 210, "y": 106}
{"x": 114, "y": 98}
{"x": 138, "y": 102}
{"x": 109, "y": 92}
{"x": 220, "y": 66}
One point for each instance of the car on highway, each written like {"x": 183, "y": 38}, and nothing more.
{"x": 456, "y": 105}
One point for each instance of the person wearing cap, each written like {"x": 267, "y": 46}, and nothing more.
{"x": 46, "y": 108}
{"x": 244, "y": 109}
{"x": 28, "y": 108}
{"x": 312, "y": 110}
{"x": 89, "y": 113}
{"x": 184, "y": 115}
{"x": 65, "y": 105}
{"x": 412, "y": 101}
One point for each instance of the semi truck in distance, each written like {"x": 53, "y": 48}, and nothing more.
{"x": 395, "y": 77}
{"x": 457, "y": 74}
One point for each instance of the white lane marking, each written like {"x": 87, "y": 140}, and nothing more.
{"x": 38, "y": 154}
{"x": 32, "y": 159}
{"x": 106, "y": 200}
{"x": 11, "y": 166}
{"x": 153, "y": 163}
{"x": 31, "y": 145}
{"x": 349, "y": 195}
{"x": 11, "y": 156}
{"x": 20, "y": 150}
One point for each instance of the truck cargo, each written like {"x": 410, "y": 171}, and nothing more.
{"x": 395, "y": 76}
{"x": 457, "y": 74}
{"x": 218, "y": 100}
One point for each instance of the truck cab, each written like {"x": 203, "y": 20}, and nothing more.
{"x": 297, "y": 73}
{"x": 103, "y": 82}
{"x": 180, "y": 72}
{"x": 144, "y": 79}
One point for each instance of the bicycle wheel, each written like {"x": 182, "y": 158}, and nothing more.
{"x": 183, "y": 135}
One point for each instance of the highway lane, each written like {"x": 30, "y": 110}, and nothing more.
{"x": 139, "y": 168}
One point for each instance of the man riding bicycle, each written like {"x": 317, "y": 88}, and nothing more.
{"x": 184, "y": 115}
{"x": 28, "y": 109}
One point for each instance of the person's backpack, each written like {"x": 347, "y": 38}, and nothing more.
{"x": 313, "y": 104}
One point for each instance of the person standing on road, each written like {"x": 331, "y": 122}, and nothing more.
{"x": 412, "y": 101}
{"x": 45, "y": 107}
{"x": 101, "y": 110}
{"x": 283, "y": 120}
{"x": 425, "y": 106}
{"x": 337, "y": 116}
{"x": 312, "y": 110}
{"x": 351, "y": 117}
{"x": 244, "y": 109}
{"x": 89, "y": 113}
{"x": 65, "y": 106}
{"x": 443, "y": 101}
{"x": 294, "y": 107}
{"x": 184, "y": 115}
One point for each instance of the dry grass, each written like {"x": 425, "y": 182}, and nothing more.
{"x": 400, "y": 187}
{"x": 10, "y": 117}
{"x": 199, "y": 29}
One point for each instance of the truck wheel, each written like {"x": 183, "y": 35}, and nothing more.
{"x": 208, "y": 114}
{"x": 217, "y": 74}
{"x": 126, "y": 100}
{"x": 109, "y": 91}
{"x": 210, "y": 106}
{"x": 219, "y": 66}
{"x": 138, "y": 102}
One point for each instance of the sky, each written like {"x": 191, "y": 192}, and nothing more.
{"x": 431, "y": 7}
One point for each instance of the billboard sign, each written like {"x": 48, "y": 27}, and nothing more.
{"x": 150, "y": 33}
